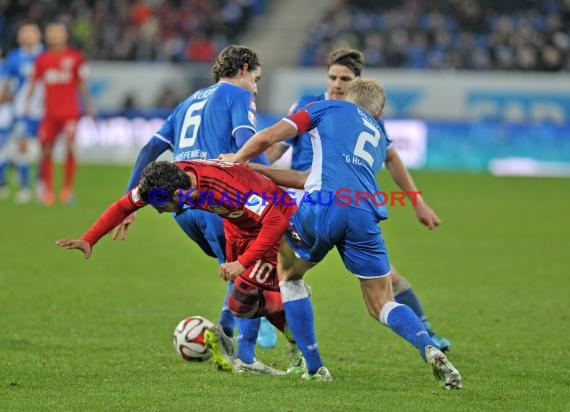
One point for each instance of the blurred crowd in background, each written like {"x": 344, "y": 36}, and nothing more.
{"x": 447, "y": 34}
{"x": 143, "y": 30}
{"x": 417, "y": 34}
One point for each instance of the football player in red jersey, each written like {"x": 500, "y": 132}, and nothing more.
{"x": 63, "y": 72}
{"x": 256, "y": 214}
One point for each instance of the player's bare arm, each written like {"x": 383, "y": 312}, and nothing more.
{"x": 404, "y": 180}
{"x": 261, "y": 141}
{"x": 283, "y": 177}
{"x": 275, "y": 152}
{"x": 109, "y": 219}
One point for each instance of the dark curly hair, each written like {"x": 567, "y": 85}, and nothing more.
{"x": 351, "y": 58}
{"x": 231, "y": 60}
{"x": 165, "y": 176}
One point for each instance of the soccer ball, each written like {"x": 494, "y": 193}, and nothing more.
{"x": 189, "y": 341}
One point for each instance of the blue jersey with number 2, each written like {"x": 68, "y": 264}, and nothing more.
{"x": 349, "y": 147}
{"x": 204, "y": 125}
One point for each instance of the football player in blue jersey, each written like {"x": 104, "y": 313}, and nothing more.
{"x": 15, "y": 73}
{"x": 344, "y": 66}
{"x": 349, "y": 149}
{"x": 213, "y": 120}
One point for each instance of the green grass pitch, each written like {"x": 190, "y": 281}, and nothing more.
{"x": 96, "y": 335}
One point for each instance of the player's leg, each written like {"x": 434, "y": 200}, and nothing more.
{"x": 403, "y": 293}
{"x": 47, "y": 135}
{"x": 364, "y": 253}
{"x": 298, "y": 307}
{"x": 379, "y": 301}
{"x": 313, "y": 232}
{"x": 246, "y": 302}
{"x": 29, "y": 129}
{"x": 70, "y": 162}
{"x": 272, "y": 309}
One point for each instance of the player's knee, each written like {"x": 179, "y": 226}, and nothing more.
{"x": 400, "y": 284}
{"x": 242, "y": 311}
{"x": 289, "y": 274}
{"x": 246, "y": 303}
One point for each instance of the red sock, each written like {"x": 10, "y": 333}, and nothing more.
{"x": 273, "y": 309}
{"x": 69, "y": 171}
{"x": 47, "y": 172}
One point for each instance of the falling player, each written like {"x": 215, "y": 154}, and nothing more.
{"x": 253, "y": 227}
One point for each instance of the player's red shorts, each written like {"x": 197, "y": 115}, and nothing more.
{"x": 256, "y": 291}
{"x": 263, "y": 272}
{"x": 51, "y": 127}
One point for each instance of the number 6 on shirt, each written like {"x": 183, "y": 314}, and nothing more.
{"x": 192, "y": 119}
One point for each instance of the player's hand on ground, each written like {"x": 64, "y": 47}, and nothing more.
{"x": 427, "y": 216}
{"x": 80, "y": 244}
{"x": 231, "y": 270}
{"x": 227, "y": 157}
{"x": 124, "y": 226}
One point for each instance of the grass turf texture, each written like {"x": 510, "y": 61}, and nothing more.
{"x": 96, "y": 335}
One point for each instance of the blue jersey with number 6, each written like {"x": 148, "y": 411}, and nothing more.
{"x": 205, "y": 124}
{"x": 349, "y": 147}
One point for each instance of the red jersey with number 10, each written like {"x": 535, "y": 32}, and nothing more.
{"x": 61, "y": 73}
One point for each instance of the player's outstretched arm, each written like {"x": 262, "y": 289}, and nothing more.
{"x": 261, "y": 141}
{"x": 427, "y": 216}
{"x": 148, "y": 153}
{"x": 79, "y": 244}
{"x": 108, "y": 220}
{"x": 404, "y": 180}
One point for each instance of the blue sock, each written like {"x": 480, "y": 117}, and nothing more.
{"x": 227, "y": 320}
{"x": 410, "y": 299}
{"x": 300, "y": 321}
{"x": 404, "y": 322}
{"x": 23, "y": 171}
{"x": 247, "y": 335}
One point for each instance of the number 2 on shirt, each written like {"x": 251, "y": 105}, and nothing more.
{"x": 364, "y": 138}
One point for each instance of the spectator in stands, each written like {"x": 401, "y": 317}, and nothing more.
{"x": 137, "y": 30}
{"x": 463, "y": 34}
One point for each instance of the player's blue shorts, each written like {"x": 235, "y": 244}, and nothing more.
{"x": 206, "y": 229}
{"x": 316, "y": 229}
{"x": 27, "y": 127}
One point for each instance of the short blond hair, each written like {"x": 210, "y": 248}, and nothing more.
{"x": 367, "y": 93}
